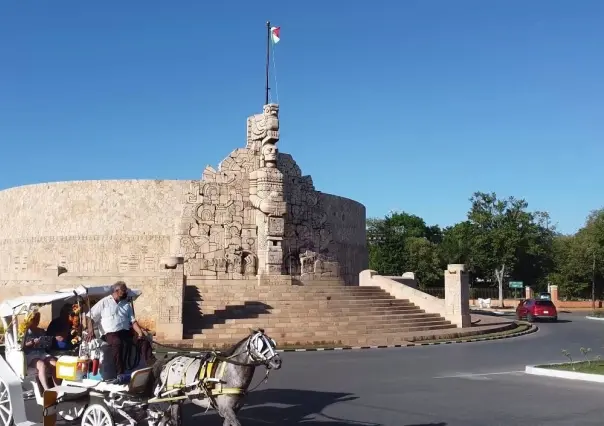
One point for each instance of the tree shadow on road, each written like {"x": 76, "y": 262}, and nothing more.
{"x": 286, "y": 407}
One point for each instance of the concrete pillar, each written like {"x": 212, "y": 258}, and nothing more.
{"x": 553, "y": 289}
{"x": 528, "y": 293}
{"x": 457, "y": 295}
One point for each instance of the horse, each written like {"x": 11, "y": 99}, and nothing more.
{"x": 213, "y": 380}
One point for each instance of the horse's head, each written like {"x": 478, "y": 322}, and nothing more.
{"x": 263, "y": 349}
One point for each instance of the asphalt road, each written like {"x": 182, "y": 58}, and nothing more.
{"x": 470, "y": 384}
{"x": 473, "y": 384}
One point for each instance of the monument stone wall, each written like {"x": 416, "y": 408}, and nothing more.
{"x": 254, "y": 216}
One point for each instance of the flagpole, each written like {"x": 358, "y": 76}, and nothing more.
{"x": 268, "y": 49}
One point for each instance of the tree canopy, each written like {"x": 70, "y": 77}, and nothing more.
{"x": 501, "y": 240}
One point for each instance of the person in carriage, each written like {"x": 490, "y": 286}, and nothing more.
{"x": 116, "y": 317}
{"x": 62, "y": 329}
{"x": 36, "y": 356}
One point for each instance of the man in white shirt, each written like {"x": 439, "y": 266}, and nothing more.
{"x": 115, "y": 315}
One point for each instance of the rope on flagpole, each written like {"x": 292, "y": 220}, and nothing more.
{"x": 275, "y": 73}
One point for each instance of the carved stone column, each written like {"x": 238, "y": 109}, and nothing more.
{"x": 266, "y": 191}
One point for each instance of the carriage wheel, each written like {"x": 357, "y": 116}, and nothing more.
{"x": 6, "y": 408}
{"x": 97, "y": 415}
{"x": 72, "y": 414}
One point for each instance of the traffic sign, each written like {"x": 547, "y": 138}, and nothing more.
{"x": 516, "y": 284}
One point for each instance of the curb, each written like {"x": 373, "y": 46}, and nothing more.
{"x": 563, "y": 374}
{"x": 589, "y": 317}
{"x": 533, "y": 329}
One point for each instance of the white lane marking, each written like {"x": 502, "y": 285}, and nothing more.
{"x": 470, "y": 375}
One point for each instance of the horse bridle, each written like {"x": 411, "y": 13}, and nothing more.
{"x": 260, "y": 348}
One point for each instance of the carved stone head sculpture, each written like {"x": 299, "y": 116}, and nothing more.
{"x": 269, "y": 155}
{"x": 271, "y": 123}
{"x": 269, "y": 151}
{"x": 263, "y": 128}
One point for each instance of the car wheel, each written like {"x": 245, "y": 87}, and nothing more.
{"x": 555, "y": 319}
{"x": 530, "y": 318}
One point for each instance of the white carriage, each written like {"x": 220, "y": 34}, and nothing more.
{"x": 94, "y": 399}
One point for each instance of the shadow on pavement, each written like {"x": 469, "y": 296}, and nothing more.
{"x": 286, "y": 407}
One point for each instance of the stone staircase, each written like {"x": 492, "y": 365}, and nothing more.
{"x": 221, "y": 313}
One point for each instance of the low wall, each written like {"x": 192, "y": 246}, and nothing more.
{"x": 428, "y": 303}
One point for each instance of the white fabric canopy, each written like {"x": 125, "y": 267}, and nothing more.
{"x": 9, "y": 307}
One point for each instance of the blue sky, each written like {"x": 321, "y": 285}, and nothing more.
{"x": 403, "y": 105}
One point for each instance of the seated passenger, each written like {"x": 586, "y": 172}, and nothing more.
{"x": 60, "y": 329}
{"x": 35, "y": 356}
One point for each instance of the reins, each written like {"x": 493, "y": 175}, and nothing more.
{"x": 216, "y": 354}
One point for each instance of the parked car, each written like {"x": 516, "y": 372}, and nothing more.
{"x": 545, "y": 296}
{"x": 531, "y": 310}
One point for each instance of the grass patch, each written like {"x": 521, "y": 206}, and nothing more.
{"x": 590, "y": 367}
{"x": 597, "y": 314}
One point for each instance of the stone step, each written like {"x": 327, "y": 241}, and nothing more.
{"x": 301, "y": 311}
{"x": 302, "y": 320}
{"x": 285, "y": 327}
{"x": 192, "y": 283}
{"x": 327, "y": 336}
{"x": 308, "y": 289}
{"x": 267, "y": 304}
{"x": 287, "y": 296}
{"x": 359, "y": 291}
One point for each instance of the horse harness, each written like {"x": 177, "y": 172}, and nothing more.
{"x": 210, "y": 375}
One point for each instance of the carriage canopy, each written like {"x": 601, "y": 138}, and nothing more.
{"x": 22, "y": 304}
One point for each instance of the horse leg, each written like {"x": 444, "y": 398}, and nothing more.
{"x": 226, "y": 409}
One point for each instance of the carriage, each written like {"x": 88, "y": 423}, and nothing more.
{"x": 90, "y": 396}
{"x": 96, "y": 397}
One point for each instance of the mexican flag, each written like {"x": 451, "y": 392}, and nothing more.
{"x": 275, "y": 34}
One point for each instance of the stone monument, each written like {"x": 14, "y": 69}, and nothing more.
{"x": 255, "y": 217}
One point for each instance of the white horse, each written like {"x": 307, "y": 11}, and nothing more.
{"x": 214, "y": 380}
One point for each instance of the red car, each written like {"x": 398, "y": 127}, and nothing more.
{"x": 536, "y": 309}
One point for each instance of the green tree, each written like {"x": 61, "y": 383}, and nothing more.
{"x": 579, "y": 259}
{"x": 456, "y": 244}
{"x": 422, "y": 258}
{"x": 507, "y": 240}
{"x": 402, "y": 242}
{"x": 570, "y": 259}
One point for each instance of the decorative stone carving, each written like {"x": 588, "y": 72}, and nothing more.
{"x": 257, "y": 214}
{"x": 262, "y": 128}
{"x": 318, "y": 265}
{"x": 266, "y": 192}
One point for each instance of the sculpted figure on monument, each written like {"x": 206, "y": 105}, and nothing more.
{"x": 266, "y": 190}
{"x": 262, "y": 127}
{"x": 319, "y": 265}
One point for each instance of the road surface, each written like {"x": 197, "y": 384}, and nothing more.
{"x": 469, "y": 384}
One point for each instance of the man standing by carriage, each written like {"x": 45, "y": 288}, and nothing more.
{"x": 115, "y": 315}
